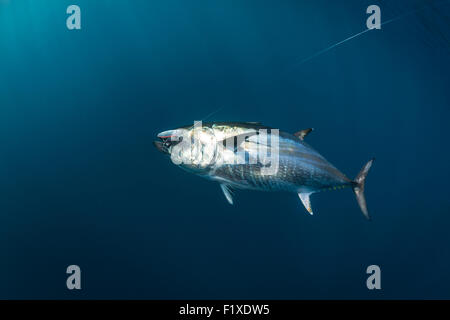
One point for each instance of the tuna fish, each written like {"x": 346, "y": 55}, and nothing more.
{"x": 249, "y": 155}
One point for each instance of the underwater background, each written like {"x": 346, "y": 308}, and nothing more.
{"x": 81, "y": 183}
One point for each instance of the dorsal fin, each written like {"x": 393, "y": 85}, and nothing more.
{"x": 303, "y": 133}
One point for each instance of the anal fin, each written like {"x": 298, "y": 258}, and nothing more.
{"x": 306, "y": 202}
{"x": 228, "y": 192}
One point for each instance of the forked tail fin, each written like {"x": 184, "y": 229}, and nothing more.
{"x": 358, "y": 187}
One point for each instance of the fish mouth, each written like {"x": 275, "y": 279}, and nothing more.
{"x": 161, "y": 147}
{"x": 167, "y": 139}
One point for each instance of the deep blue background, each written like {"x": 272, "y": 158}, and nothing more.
{"x": 80, "y": 182}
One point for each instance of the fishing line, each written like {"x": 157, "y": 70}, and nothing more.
{"x": 362, "y": 32}
{"x": 212, "y": 113}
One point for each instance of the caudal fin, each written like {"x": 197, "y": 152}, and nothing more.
{"x": 358, "y": 187}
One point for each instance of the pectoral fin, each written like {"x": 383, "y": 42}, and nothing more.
{"x": 306, "y": 202}
{"x": 228, "y": 192}
{"x": 229, "y": 142}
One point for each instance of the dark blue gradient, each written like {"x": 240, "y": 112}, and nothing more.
{"x": 81, "y": 183}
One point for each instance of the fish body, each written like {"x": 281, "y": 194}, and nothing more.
{"x": 248, "y": 155}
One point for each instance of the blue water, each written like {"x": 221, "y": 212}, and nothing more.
{"x": 81, "y": 183}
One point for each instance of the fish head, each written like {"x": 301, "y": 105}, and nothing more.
{"x": 169, "y": 139}
{"x": 192, "y": 148}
